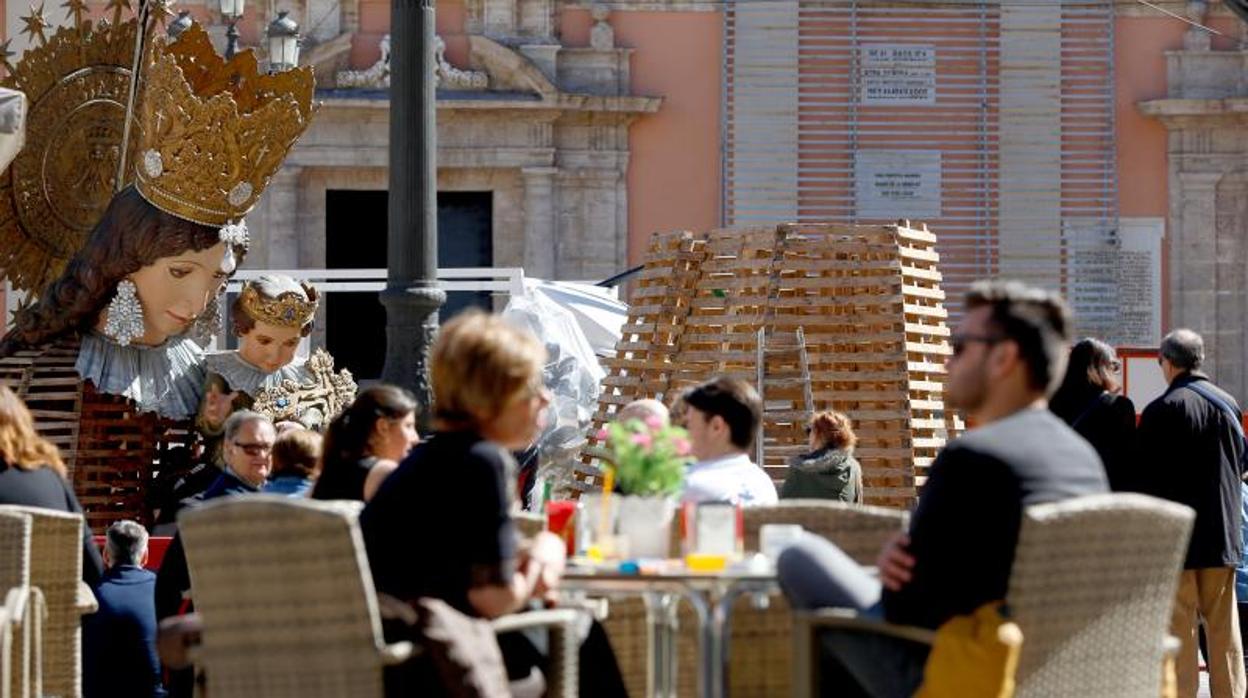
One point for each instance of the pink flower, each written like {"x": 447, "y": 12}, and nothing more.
{"x": 654, "y": 422}
{"x": 682, "y": 446}
{"x": 602, "y": 434}
{"x": 643, "y": 440}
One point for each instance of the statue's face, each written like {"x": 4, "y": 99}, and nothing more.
{"x": 175, "y": 290}
{"x": 269, "y": 347}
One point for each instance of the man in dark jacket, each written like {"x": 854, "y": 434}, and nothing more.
{"x": 1191, "y": 442}
{"x": 1009, "y": 352}
{"x": 249, "y": 439}
{"x": 119, "y": 640}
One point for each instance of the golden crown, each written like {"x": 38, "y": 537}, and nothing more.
{"x": 287, "y": 310}
{"x": 212, "y": 132}
{"x": 77, "y": 83}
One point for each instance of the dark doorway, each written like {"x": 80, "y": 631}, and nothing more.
{"x": 355, "y": 238}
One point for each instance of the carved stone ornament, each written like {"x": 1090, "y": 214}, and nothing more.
{"x": 447, "y": 76}
{"x": 327, "y": 392}
{"x": 602, "y": 35}
{"x": 376, "y": 76}
{"x": 453, "y": 78}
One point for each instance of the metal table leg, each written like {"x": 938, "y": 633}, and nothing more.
{"x": 661, "y": 625}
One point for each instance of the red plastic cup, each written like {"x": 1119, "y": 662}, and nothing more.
{"x": 560, "y": 520}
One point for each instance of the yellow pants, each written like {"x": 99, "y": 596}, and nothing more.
{"x": 1209, "y": 594}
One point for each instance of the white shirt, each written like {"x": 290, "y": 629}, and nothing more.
{"x": 731, "y": 479}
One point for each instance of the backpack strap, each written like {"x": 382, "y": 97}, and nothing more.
{"x": 1231, "y": 414}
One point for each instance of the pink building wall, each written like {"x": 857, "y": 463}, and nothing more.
{"x": 1143, "y": 166}
{"x": 673, "y": 174}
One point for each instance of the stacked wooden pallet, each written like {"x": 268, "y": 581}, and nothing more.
{"x": 870, "y": 311}
{"x": 111, "y": 451}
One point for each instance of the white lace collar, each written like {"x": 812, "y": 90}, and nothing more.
{"x": 166, "y": 379}
{"x": 241, "y": 375}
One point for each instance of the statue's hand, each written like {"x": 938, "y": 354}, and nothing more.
{"x": 217, "y": 407}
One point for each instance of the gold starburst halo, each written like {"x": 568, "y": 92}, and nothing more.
{"x": 210, "y": 132}
{"x": 35, "y": 24}
{"x": 56, "y": 190}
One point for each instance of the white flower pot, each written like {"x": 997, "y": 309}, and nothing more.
{"x": 647, "y": 524}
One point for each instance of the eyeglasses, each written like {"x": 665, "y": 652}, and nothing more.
{"x": 254, "y": 449}
{"x": 959, "y": 342}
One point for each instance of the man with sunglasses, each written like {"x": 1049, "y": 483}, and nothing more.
{"x": 249, "y": 438}
{"x": 1009, "y": 352}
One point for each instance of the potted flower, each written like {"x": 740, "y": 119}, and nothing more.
{"x": 647, "y": 469}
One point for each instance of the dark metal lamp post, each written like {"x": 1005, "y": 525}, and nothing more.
{"x": 412, "y": 296}
{"x": 283, "y": 43}
{"x": 232, "y": 10}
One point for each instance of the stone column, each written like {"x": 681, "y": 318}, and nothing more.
{"x": 282, "y": 225}
{"x": 1193, "y": 250}
{"x": 540, "y": 224}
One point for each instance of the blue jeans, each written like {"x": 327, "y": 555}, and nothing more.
{"x": 814, "y": 573}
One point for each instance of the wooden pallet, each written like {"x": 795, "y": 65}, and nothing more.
{"x": 868, "y": 303}
{"x": 112, "y": 452}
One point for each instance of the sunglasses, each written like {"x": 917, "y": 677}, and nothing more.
{"x": 960, "y": 342}
{"x": 254, "y": 449}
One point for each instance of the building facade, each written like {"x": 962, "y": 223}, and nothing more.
{"x": 1094, "y": 146}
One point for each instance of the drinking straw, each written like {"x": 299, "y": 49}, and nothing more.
{"x": 604, "y": 518}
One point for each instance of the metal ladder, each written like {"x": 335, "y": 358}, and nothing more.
{"x": 780, "y": 382}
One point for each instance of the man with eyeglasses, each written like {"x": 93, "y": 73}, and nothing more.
{"x": 1008, "y": 354}
{"x": 249, "y": 438}
{"x": 1191, "y": 444}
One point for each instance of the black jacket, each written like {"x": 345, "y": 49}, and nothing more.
{"x": 119, "y": 640}
{"x": 1107, "y": 421}
{"x": 174, "y": 579}
{"x": 1192, "y": 455}
{"x": 965, "y": 528}
{"x": 46, "y": 489}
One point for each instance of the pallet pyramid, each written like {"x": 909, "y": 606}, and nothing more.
{"x": 870, "y": 310}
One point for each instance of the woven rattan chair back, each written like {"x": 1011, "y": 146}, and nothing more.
{"x": 56, "y": 570}
{"x": 761, "y": 646}
{"x": 286, "y": 596}
{"x": 15, "y": 633}
{"x": 1092, "y": 586}
{"x": 860, "y": 531}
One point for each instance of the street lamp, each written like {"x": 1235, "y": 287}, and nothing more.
{"x": 179, "y": 25}
{"x": 283, "y": 43}
{"x": 233, "y": 11}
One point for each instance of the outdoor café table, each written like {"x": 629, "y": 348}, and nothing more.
{"x": 711, "y": 594}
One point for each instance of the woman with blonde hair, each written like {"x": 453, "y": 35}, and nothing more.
{"x": 829, "y": 470}
{"x": 440, "y": 526}
{"x": 33, "y": 475}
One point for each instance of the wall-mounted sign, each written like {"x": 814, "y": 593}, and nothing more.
{"x": 892, "y": 184}
{"x": 897, "y": 74}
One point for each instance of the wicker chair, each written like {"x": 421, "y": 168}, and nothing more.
{"x": 56, "y": 571}
{"x": 19, "y": 614}
{"x": 760, "y": 642}
{"x": 1092, "y": 586}
{"x": 288, "y": 606}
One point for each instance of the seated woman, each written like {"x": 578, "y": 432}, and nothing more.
{"x": 829, "y": 470}
{"x": 32, "y": 475}
{"x": 440, "y": 526}
{"x": 374, "y": 433}
{"x": 296, "y": 455}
